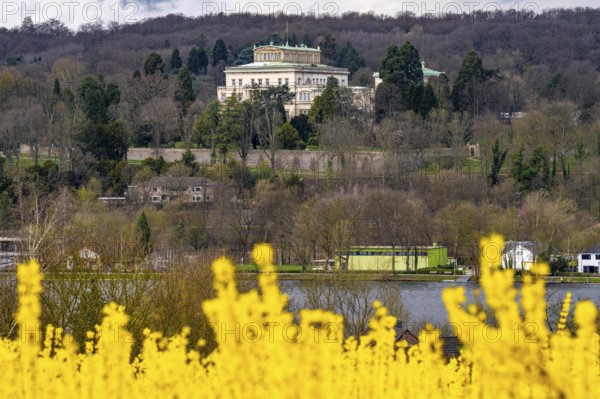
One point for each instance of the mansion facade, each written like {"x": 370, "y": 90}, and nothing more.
{"x": 298, "y": 67}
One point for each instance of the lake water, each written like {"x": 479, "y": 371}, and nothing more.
{"x": 424, "y": 299}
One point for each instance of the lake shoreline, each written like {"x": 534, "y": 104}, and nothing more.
{"x": 427, "y": 278}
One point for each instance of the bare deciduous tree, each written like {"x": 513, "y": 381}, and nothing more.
{"x": 161, "y": 114}
{"x": 352, "y": 297}
{"x": 42, "y": 217}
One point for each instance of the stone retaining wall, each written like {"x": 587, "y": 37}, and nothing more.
{"x": 366, "y": 162}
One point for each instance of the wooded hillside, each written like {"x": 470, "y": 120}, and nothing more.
{"x": 514, "y": 42}
{"x": 521, "y": 88}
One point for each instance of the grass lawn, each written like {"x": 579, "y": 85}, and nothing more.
{"x": 566, "y": 279}
{"x": 25, "y": 161}
{"x": 134, "y": 162}
{"x": 278, "y": 268}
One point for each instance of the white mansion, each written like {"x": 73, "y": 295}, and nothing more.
{"x": 299, "y": 67}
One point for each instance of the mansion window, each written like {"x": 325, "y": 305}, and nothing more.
{"x": 267, "y": 82}
{"x": 299, "y": 80}
{"x": 586, "y": 256}
{"x": 260, "y": 82}
{"x": 287, "y": 81}
{"x": 279, "y": 81}
{"x": 252, "y": 81}
{"x": 233, "y": 82}
{"x": 240, "y": 82}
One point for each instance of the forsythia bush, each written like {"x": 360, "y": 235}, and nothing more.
{"x": 263, "y": 352}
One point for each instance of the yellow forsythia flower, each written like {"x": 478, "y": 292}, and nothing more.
{"x": 265, "y": 351}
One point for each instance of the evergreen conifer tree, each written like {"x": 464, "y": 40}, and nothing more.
{"x": 219, "y": 52}
{"x": 176, "y": 62}
{"x": 144, "y": 233}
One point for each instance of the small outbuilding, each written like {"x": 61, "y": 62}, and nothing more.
{"x": 519, "y": 255}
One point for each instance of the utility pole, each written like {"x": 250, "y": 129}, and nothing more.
{"x": 287, "y": 34}
{"x": 569, "y": 256}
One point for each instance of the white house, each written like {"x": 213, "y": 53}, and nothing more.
{"x": 519, "y": 255}
{"x": 588, "y": 261}
{"x": 298, "y": 67}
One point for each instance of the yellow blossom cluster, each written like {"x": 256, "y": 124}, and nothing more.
{"x": 263, "y": 351}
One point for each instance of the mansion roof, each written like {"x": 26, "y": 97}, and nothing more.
{"x": 428, "y": 72}
{"x": 287, "y": 54}
{"x": 285, "y": 65}
{"x": 302, "y": 47}
{"x": 168, "y": 182}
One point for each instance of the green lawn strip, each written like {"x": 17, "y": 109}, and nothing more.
{"x": 26, "y": 161}
{"x": 565, "y": 279}
{"x": 251, "y": 268}
{"x": 134, "y": 161}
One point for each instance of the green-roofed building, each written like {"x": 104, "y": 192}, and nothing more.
{"x": 428, "y": 73}
{"x": 390, "y": 259}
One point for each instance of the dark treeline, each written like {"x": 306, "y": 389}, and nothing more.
{"x": 508, "y": 39}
